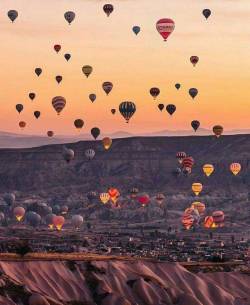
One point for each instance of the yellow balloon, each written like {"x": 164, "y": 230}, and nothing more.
{"x": 104, "y": 197}
{"x": 235, "y": 168}
{"x": 107, "y": 142}
{"x": 199, "y": 206}
{"x": 197, "y": 188}
{"x": 208, "y": 169}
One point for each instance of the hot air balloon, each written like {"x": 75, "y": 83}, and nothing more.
{"x": 193, "y": 92}
{"x": 95, "y": 131}
{"x": 136, "y": 29}
{"x": 154, "y": 92}
{"x": 12, "y": 14}
{"x": 187, "y": 221}
{"x": 64, "y": 209}
{"x": 92, "y": 195}
{"x": 9, "y": 198}
{"x": 92, "y": 97}
{"x": 77, "y": 221}
{"x": 108, "y": 9}
{"x": 107, "y": 142}
{"x": 57, "y": 48}
{"x": 176, "y": 172}
{"x": 107, "y": 87}
{"x": 133, "y": 192}
{"x": 67, "y": 56}
{"x": 19, "y": 108}
{"x": 235, "y": 168}
{"x": 49, "y": 220}
{"x": 114, "y": 194}
{"x": 188, "y": 163}
{"x": 161, "y": 107}
{"x": 160, "y": 198}
{"x": 22, "y": 124}
{"x": 218, "y": 130}
{"x": 218, "y": 217}
{"x": 165, "y": 27}
{"x": 87, "y": 70}
{"x": 194, "y": 60}
{"x": 90, "y": 154}
{"x": 38, "y": 71}
{"x": 58, "y": 222}
{"x": 68, "y": 154}
{"x": 171, "y": 109}
{"x": 37, "y": 114}
{"x": 78, "y": 124}
{"x": 32, "y": 96}
{"x": 209, "y": 222}
{"x": 58, "y": 78}
{"x": 197, "y": 188}
{"x": 199, "y": 206}
{"x": 143, "y": 199}
{"x": 206, "y": 13}
{"x": 195, "y": 125}
{"x": 69, "y": 16}
{"x": 56, "y": 209}
{"x": 33, "y": 218}
{"x": 19, "y": 213}
{"x": 127, "y": 110}
{"x": 58, "y": 102}
{"x": 104, "y": 197}
{"x": 177, "y": 86}
{"x": 50, "y": 133}
{"x": 113, "y": 111}
{"x": 208, "y": 169}
{"x": 180, "y": 156}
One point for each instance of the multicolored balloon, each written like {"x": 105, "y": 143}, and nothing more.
{"x": 107, "y": 87}
{"x": 58, "y": 102}
{"x": 235, "y": 168}
{"x": 208, "y": 169}
{"x": 165, "y": 27}
{"x": 127, "y": 110}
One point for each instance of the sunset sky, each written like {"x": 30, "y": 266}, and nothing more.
{"x": 133, "y": 63}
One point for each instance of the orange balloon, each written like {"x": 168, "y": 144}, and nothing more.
{"x": 107, "y": 142}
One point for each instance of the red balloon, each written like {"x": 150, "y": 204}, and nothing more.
{"x": 165, "y": 27}
{"x": 57, "y": 48}
{"x": 144, "y": 199}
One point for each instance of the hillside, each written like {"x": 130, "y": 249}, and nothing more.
{"x": 118, "y": 283}
{"x": 144, "y": 162}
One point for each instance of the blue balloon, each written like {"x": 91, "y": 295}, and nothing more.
{"x": 136, "y": 29}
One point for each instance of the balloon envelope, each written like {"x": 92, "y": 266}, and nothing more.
{"x": 165, "y": 27}
{"x": 69, "y": 16}
{"x": 127, "y": 110}
{"x": 136, "y": 29}
{"x": 13, "y": 14}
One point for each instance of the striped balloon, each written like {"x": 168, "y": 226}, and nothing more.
{"x": 165, "y": 27}
{"x": 58, "y": 102}
{"x": 127, "y": 110}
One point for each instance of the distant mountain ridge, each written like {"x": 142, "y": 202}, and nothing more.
{"x": 18, "y": 140}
